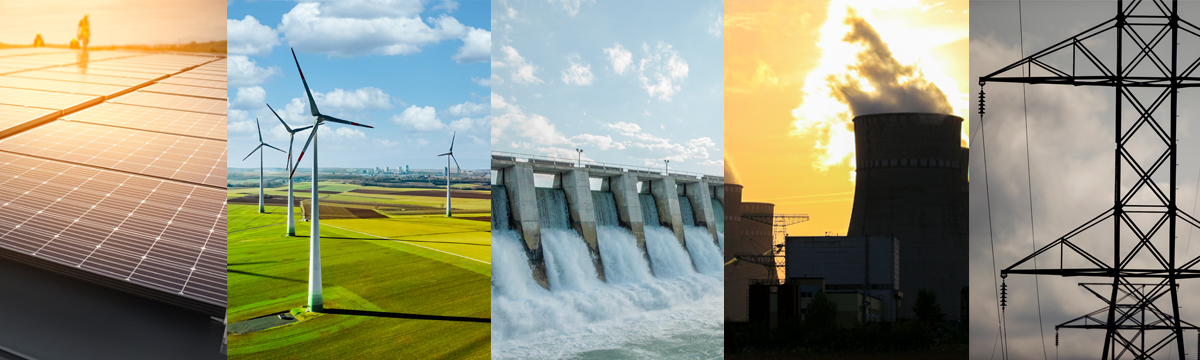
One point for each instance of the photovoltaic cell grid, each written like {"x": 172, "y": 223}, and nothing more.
{"x": 126, "y": 186}
{"x": 153, "y": 119}
{"x": 77, "y": 77}
{"x": 169, "y": 156}
{"x": 161, "y": 234}
{"x": 165, "y": 101}
{"x": 188, "y": 90}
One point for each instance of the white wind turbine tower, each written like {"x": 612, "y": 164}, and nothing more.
{"x": 449, "y": 156}
{"x": 315, "y": 300}
{"x": 262, "y": 209}
{"x": 291, "y": 220}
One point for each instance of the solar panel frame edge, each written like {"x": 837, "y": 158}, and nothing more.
{"x": 187, "y": 302}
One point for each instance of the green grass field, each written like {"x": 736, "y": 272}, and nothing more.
{"x": 427, "y": 265}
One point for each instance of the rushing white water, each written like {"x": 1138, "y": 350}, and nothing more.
{"x": 666, "y": 253}
{"x": 623, "y": 260}
{"x": 705, "y": 254}
{"x": 633, "y": 315}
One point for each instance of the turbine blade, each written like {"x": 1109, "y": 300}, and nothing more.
{"x": 256, "y": 124}
{"x": 301, "y": 129}
{"x": 252, "y": 152}
{"x": 280, "y": 150}
{"x": 452, "y": 136}
{"x": 441, "y": 155}
{"x": 302, "y": 150}
{"x": 285, "y": 125}
{"x": 311, "y": 103}
{"x": 456, "y": 166}
{"x": 336, "y": 120}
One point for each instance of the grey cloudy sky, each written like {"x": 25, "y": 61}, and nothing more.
{"x": 1071, "y": 131}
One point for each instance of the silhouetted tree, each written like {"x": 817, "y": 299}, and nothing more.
{"x": 926, "y": 306}
{"x": 822, "y": 313}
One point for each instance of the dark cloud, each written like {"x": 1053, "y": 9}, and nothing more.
{"x": 877, "y": 65}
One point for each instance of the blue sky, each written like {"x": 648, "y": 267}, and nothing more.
{"x": 415, "y": 70}
{"x": 628, "y": 82}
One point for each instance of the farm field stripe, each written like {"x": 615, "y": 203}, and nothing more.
{"x": 402, "y": 241}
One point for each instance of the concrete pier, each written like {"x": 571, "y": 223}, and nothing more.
{"x": 577, "y": 187}
{"x": 629, "y": 208}
{"x": 666, "y": 196}
{"x": 522, "y": 200}
{"x": 700, "y": 196}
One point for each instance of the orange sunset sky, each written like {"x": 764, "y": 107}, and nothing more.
{"x": 776, "y": 55}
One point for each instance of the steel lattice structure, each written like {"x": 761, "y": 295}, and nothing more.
{"x": 1147, "y": 82}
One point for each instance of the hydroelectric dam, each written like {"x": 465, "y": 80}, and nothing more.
{"x": 601, "y": 242}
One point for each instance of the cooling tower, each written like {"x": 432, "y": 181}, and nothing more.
{"x": 912, "y": 184}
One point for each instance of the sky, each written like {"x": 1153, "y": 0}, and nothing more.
{"x": 1070, "y": 167}
{"x": 790, "y": 140}
{"x": 113, "y": 22}
{"x": 629, "y": 87}
{"x": 415, "y": 70}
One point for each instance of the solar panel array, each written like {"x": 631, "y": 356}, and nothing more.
{"x": 114, "y": 164}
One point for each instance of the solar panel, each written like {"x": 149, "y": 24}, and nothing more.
{"x": 156, "y": 233}
{"x": 127, "y": 193}
{"x": 154, "y": 119}
{"x": 199, "y": 75}
{"x": 215, "y": 107}
{"x": 155, "y": 72}
{"x": 94, "y": 71}
{"x": 13, "y": 116}
{"x": 11, "y": 81}
{"x": 168, "y": 156}
{"x": 216, "y": 84}
{"x": 27, "y": 51}
{"x": 44, "y": 99}
{"x": 88, "y": 78}
{"x": 188, "y": 90}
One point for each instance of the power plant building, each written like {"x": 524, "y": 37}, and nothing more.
{"x": 850, "y": 264}
{"x": 912, "y": 185}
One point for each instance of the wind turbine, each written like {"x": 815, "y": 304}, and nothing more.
{"x": 315, "y": 300}
{"x": 261, "y": 208}
{"x": 291, "y": 220}
{"x": 449, "y": 155}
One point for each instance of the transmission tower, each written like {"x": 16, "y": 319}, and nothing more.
{"x": 1146, "y": 76}
{"x": 779, "y": 224}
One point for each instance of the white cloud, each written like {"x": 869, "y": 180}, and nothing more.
{"x": 660, "y": 70}
{"x": 341, "y": 31}
{"x": 627, "y": 129}
{"x": 482, "y": 82}
{"x": 419, "y": 119}
{"x": 653, "y": 149}
{"x": 508, "y": 118}
{"x": 448, "y": 5}
{"x": 522, "y": 70}
{"x": 422, "y": 142}
{"x": 249, "y": 37}
{"x": 384, "y": 142}
{"x": 467, "y": 109}
{"x": 604, "y": 142}
{"x": 340, "y": 133}
{"x": 245, "y": 72}
{"x": 477, "y": 47}
{"x": 463, "y": 124}
{"x": 240, "y": 126}
{"x": 717, "y": 26}
{"x": 579, "y": 74}
{"x": 619, "y": 58}
{"x": 367, "y": 98}
{"x": 371, "y": 9}
{"x": 249, "y": 98}
{"x": 571, "y": 6}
